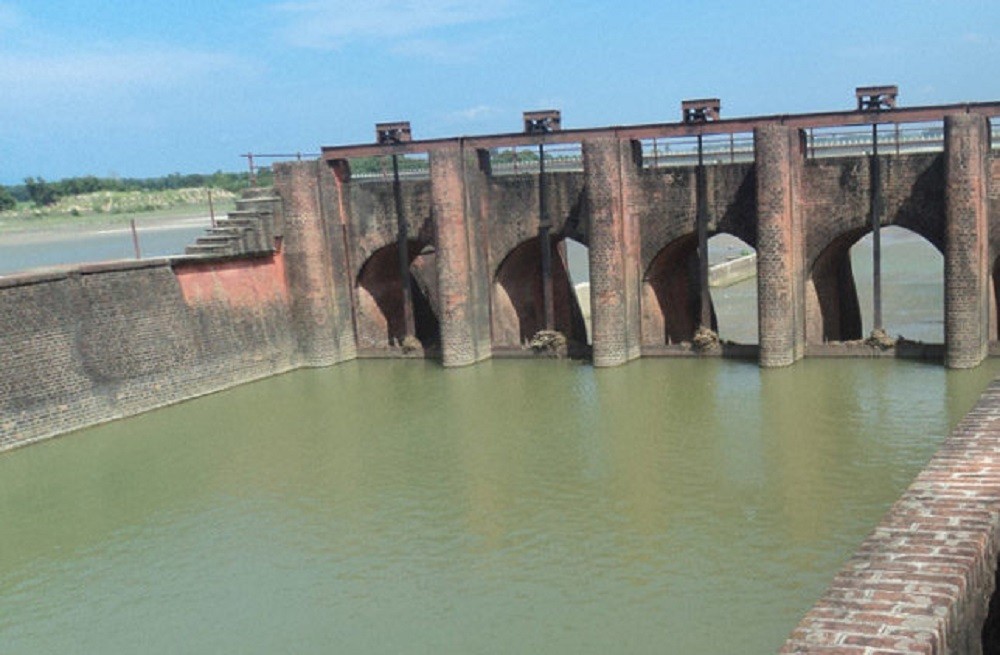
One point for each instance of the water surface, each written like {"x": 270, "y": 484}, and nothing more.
{"x": 511, "y": 507}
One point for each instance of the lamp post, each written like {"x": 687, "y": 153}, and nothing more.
{"x": 875, "y": 99}
{"x": 393, "y": 134}
{"x": 541, "y": 123}
{"x": 698, "y": 112}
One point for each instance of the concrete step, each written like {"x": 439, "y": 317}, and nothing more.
{"x": 225, "y": 230}
{"x": 258, "y": 192}
{"x": 242, "y": 224}
{"x": 204, "y": 249}
{"x": 254, "y": 203}
{"x": 260, "y": 213}
{"x": 217, "y": 238}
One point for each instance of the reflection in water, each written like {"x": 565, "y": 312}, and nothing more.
{"x": 513, "y": 506}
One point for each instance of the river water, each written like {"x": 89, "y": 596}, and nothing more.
{"x": 21, "y": 252}
{"x": 511, "y": 507}
{"x": 680, "y": 506}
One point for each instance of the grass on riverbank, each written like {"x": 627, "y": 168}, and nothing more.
{"x": 109, "y": 208}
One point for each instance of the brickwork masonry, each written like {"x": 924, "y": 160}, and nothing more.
{"x": 100, "y": 342}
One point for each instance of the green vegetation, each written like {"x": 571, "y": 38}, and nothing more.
{"x": 85, "y": 202}
{"x": 7, "y": 200}
{"x": 41, "y": 193}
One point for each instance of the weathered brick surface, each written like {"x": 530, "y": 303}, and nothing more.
{"x": 966, "y": 268}
{"x": 922, "y": 581}
{"x": 779, "y": 245}
{"x": 335, "y": 202}
{"x": 461, "y": 299}
{"x": 610, "y": 174}
{"x": 362, "y": 228}
{"x": 309, "y": 265}
{"x": 101, "y": 342}
{"x": 663, "y": 202}
{"x": 509, "y": 215}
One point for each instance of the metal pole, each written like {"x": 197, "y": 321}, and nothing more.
{"x": 403, "y": 250}
{"x": 211, "y": 208}
{"x": 876, "y": 209}
{"x": 701, "y": 218}
{"x": 546, "y": 244}
{"x": 253, "y": 174}
{"x": 135, "y": 240}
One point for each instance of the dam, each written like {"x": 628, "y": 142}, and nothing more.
{"x": 451, "y": 264}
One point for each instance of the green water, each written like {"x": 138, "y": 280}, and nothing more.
{"x": 512, "y": 507}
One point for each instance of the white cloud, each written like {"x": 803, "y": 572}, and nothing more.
{"x": 107, "y": 70}
{"x": 323, "y": 24}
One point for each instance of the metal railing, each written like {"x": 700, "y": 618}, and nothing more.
{"x": 892, "y": 140}
{"x": 683, "y": 151}
{"x": 563, "y": 157}
{"x": 379, "y": 169}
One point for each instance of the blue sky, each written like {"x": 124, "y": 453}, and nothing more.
{"x": 148, "y": 88}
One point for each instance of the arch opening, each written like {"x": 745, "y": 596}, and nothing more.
{"x": 671, "y": 298}
{"x": 840, "y": 296}
{"x": 732, "y": 279}
{"x": 379, "y": 298}
{"x": 518, "y": 304}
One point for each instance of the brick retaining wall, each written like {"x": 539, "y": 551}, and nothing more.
{"x": 93, "y": 343}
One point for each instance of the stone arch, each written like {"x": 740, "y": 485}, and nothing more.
{"x": 379, "y": 298}
{"x": 671, "y": 298}
{"x": 518, "y": 309}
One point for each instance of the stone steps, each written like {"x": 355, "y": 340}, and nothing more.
{"x": 251, "y": 228}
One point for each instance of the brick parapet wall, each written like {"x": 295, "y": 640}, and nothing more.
{"x": 922, "y": 581}
{"x": 966, "y": 263}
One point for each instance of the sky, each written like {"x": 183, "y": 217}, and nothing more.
{"x": 140, "y": 89}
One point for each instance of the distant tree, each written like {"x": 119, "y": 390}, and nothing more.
{"x": 7, "y": 201}
{"x": 41, "y": 192}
